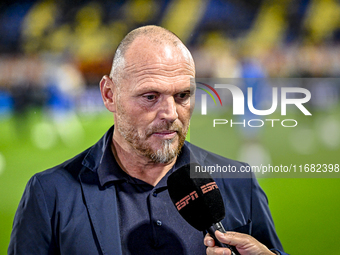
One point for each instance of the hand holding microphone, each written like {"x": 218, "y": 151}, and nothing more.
{"x": 245, "y": 244}
{"x": 200, "y": 203}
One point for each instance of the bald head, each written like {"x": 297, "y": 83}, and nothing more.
{"x": 141, "y": 41}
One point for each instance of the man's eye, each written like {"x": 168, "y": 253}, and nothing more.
{"x": 150, "y": 97}
{"x": 183, "y": 96}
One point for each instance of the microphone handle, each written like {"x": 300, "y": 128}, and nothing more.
{"x": 218, "y": 226}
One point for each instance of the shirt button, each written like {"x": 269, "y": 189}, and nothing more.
{"x": 154, "y": 194}
{"x": 159, "y": 223}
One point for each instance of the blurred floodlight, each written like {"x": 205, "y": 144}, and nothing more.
{"x": 44, "y": 135}
{"x": 303, "y": 140}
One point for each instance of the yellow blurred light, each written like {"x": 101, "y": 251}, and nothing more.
{"x": 60, "y": 39}
{"x": 322, "y": 19}
{"x": 182, "y": 17}
{"x": 40, "y": 17}
{"x": 89, "y": 17}
{"x": 268, "y": 29}
{"x": 141, "y": 11}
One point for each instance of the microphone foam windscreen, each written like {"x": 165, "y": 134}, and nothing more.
{"x": 198, "y": 200}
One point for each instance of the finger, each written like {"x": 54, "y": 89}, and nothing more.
{"x": 209, "y": 241}
{"x": 231, "y": 238}
{"x": 243, "y": 242}
{"x": 218, "y": 251}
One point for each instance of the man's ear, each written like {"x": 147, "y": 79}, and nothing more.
{"x": 108, "y": 89}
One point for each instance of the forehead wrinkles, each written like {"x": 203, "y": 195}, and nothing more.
{"x": 161, "y": 66}
{"x": 159, "y": 69}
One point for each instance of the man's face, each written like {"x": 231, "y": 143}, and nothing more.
{"x": 153, "y": 103}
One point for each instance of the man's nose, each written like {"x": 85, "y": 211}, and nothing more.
{"x": 168, "y": 110}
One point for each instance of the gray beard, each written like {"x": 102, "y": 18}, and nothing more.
{"x": 165, "y": 154}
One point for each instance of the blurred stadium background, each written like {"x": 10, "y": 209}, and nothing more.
{"x": 54, "y": 53}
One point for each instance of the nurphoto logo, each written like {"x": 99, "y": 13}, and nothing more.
{"x": 301, "y": 96}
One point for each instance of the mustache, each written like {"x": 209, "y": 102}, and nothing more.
{"x": 166, "y": 126}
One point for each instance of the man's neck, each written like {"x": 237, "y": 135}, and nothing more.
{"x": 139, "y": 166}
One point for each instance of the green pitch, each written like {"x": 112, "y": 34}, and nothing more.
{"x": 305, "y": 211}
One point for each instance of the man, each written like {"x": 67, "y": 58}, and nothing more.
{"x": 112, "y": 198}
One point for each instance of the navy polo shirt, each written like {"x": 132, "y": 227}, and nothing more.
{"x": 149, "y": 222}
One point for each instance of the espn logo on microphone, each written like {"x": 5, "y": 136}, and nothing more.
{"x": 208, "y": 187}
{"x": 193, "y": 195}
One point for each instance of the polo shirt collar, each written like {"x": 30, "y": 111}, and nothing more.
{"x": 108, "y": 169}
